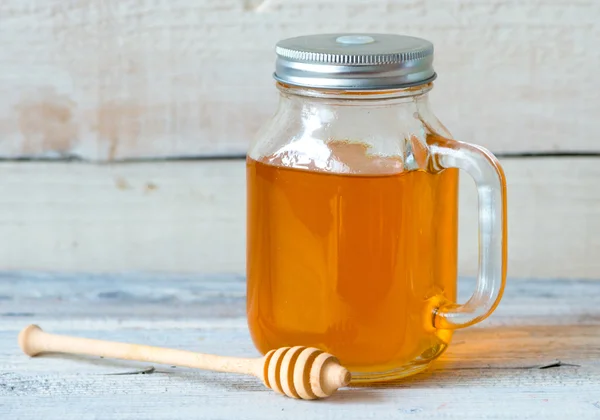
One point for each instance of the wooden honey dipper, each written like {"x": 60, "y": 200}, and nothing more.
{"x": 298, "y": 372}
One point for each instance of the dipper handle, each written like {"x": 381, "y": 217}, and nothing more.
{"x": 33, "y": 341}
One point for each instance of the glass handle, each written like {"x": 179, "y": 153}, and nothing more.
{"x": 491, "y": 191}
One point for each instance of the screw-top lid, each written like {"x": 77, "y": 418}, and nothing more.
{"x": 352, "y": 61}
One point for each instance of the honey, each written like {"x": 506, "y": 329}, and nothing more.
{"x": 352, "y": 263}
{"x": 353, "y": 209}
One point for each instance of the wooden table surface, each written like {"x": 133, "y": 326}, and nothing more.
{"x": 537, "y": 357}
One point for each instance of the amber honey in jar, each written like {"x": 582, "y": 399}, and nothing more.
{"x": 352, "y": 223}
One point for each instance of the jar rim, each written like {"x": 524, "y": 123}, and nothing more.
{"x": 364, "y": 94}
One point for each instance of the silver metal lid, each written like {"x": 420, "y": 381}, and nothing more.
{"x": 353, "y": 61}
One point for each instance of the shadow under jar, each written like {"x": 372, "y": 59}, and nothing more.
{"x": 352, "y": 223}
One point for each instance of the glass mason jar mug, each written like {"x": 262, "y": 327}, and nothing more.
{"x": 352, "y": 190}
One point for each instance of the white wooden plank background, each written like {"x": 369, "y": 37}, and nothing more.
{"x": 117, "y": 79}
{"x": 190, "y": 217}
{"x": 489, "y": 372}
